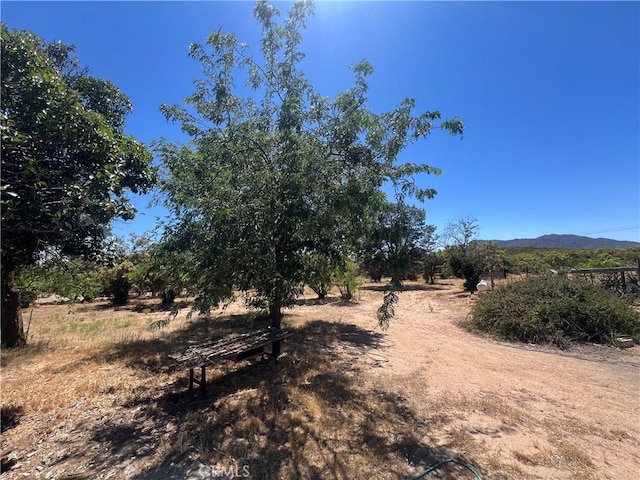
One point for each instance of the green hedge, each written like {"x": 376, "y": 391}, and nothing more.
{"x": 554, "y": 308}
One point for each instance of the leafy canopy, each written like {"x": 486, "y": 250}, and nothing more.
{"x": 274, "y": 171}
{"x": 66, "y": 162}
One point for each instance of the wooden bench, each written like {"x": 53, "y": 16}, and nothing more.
{"x": 236, "y": 348}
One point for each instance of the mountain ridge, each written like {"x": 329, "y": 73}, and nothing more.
{"x": 566, "y": 241}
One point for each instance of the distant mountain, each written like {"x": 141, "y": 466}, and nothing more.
{"x": 566, "y": 241}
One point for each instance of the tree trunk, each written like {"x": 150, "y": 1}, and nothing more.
{"x": 277, "y": 294}
{"x": 120, "y": 291}
{"x": 348, "y": 294}
{"x": 168, "y": 297}
{"x": 12, "y": 330}
{"x": 275, "y": 313}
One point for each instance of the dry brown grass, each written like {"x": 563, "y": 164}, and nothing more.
{"x": 95, "y": 396}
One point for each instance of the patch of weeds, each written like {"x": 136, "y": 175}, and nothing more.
{"x": 83, "y": 326}
{"x": 80, "y": 326}
{"x": 62, "y": 328}
{"x": 498, "y": 463}
{"x": 461, "y": 440}
{"x": 158, "y": 324}
{"x": 535, "y": 459}
{"x": 575, "y": 456}
{"x": 497, "y": 408}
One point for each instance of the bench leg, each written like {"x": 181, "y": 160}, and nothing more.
{"x": 275, "y": 350}
{"x": 202, "y": 381}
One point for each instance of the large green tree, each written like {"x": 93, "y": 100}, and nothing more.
{"x": 66, "y": 161}
{"x": 274, "y": 171}
{"x": 398, "y": 243}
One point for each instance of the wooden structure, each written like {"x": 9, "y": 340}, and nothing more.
{"x": 606, "y": 270}
{"x": 611, "y": 271}
{"x": 236, "y": 348}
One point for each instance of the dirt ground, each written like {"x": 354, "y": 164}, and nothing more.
{"x": 97, "y": 398}
{"x": 583, "y": 403}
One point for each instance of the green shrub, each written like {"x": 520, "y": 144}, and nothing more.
{"x": 347, "y": 278}
{"x": 554, "y": 308}
{"x": 73, "y": 278}
{"x": 318, "y": 272}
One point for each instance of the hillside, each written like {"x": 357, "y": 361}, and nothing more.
{"x": 566, "y": 241}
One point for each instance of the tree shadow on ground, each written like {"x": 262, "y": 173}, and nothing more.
{"x": 410, "y": 287}
{"x": 10, "y": 416}
{"x": 464, "y": 294}
{"x": 308, "y": 416}
{"x": 317, "y": 301}
{"x": 139, "y": 307}
{"x": 135, "y": 304}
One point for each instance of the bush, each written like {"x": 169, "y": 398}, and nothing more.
{"x": 318, "y": 273}
{"x": 119, "y": 282}
{"x": 554, "y": 308}
{"x": 347, "y": 278}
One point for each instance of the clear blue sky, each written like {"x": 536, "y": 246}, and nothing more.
{"x": 549, "y": 93}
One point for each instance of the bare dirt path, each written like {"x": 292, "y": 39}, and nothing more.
{"x": 546, "y": 412}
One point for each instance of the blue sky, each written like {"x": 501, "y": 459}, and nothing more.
{"x": 548, "y": 92}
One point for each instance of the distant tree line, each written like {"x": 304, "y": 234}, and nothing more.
{"x": 399, "y": 246}
{"x": 540, "y": 260}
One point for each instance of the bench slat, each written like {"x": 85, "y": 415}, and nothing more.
{"x": 229, "y": 347}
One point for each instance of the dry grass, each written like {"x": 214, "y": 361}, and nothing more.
{"x": 94, "y": 396}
